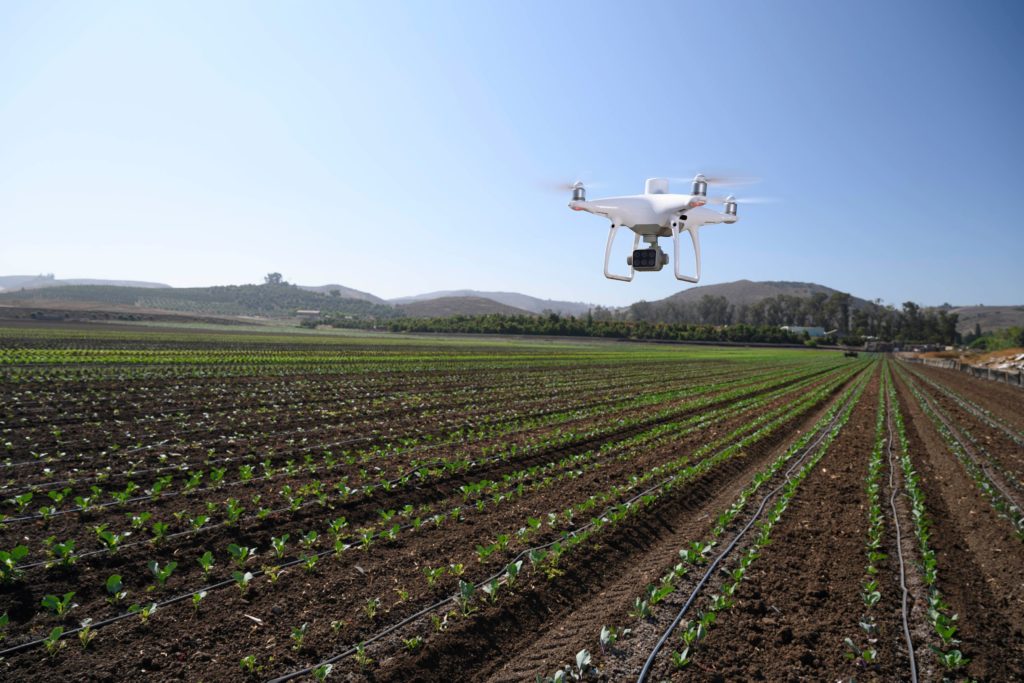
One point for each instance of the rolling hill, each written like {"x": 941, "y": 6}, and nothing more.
{"x": 447, "y": 306}
{"x": 272, "y": 301}
{"x": 746, "y": 292}
{"x": 345, "y": 293}
{"x": 16, "y": 282}
{"x": 513, "y": 299}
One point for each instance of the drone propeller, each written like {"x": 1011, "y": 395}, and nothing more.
{"x": 720, "y": 179}
{"x": 742, "y": 200}
{"x": 561, "y": 187}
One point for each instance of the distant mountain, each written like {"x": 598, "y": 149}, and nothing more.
{"x": 989, "y": 317}
{"x": 746, "y": 292}
{"x": 447, "y": 306}
{"x": 271, "y": 301}
{"x": 345, "y": 292}
{"x": 13, "y": 282}
{"x": 513, "y": 299}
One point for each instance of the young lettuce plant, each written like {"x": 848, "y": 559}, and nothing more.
{"x": 161, "y": 574}
{"x": 115, "y": 590}
{"x": 59, "y": 606}
{"x": 298, "y": 635}
{"x": 242, "y": 580}
{"x": 9, "y": 560}
{"x": 53, "y": 642}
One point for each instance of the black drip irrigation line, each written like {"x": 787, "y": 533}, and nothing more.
{"x": 302, "y": 560}
{"x": 649, "y": 664}
{"x": 904, "y": 608}
{"x": 324, "y": 553}
{"x": 426, "y": 610}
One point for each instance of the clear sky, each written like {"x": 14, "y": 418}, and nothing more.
{"x": 400, "y": 148}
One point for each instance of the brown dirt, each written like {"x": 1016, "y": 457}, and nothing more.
{"x": 981, "y": 563}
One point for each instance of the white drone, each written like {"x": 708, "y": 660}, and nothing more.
{"x": 658, "y": 213}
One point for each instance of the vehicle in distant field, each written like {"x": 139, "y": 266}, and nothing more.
{"x": 660, "y": 213}
{"x": 850, "y": 354}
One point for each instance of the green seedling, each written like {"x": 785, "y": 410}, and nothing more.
{"x": 161, "y": 574}
{"x": 115, "y": 590}
{"x": 298, "y": 635}
{"x": 57, "y": 605}
{"x": 52, "y": 642}
{"x": 206, "y": 562}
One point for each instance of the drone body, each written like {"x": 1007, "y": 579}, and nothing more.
{"x": 653, "y": 214}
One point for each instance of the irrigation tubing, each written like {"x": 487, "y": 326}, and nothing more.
{"x": 284, "y": 565}
{"x": 649, "y": 664}
{"x": 904, "y": 609}
{"x": 292, "y": 563}
{"x": 426, "y": 610}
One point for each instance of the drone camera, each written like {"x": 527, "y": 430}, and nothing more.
{"x": 647, "y": 259}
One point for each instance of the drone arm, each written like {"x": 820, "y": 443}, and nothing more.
{"x": 695, "y": 238}
{"x": 608, "y": 254}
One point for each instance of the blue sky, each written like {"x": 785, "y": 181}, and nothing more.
{"x": 402, "y": 147}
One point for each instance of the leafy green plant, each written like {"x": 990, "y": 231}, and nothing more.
{"x": 59, "y": 605}
{"x": 278, "y": 543}
{"x": 115, "y": 589}
{"x": 298, "y": 635}
{"x": 250, "y": 665}
{"x": 433, "y": 574}
{"x": 681, "y": 659}
{"x": 161, "y": 574}
{"x": 362, "y": 659}
{"x": 465, "y": 597}
{"x": 85, "y": 633}
{"x": 53, "y": 642}
{"x": 144, "y": 611}
{"x": 63, "y": 553}
{"x": 9, "y": 560}
{"x": 197, "y": 598}
{"x": 242, "y": 580}
{"x": 641, "y": 609}
{"x": 240, "y": 554}
{"x": 159, "y": 530}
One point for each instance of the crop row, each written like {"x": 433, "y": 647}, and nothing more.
{"x": 367, "y": 538}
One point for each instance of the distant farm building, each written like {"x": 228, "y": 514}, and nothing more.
{"x": 308, "y": 314}
{"x": 812, "y": 332}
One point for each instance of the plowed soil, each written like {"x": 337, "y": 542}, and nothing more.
{"x": 450, "y": 460}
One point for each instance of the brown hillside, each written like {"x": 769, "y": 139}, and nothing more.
{"x": 748, "y": 292}
{"x": 458, "y": 305}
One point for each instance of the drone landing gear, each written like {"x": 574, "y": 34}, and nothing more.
{"x": 695, "y": 238}
{"x": 653, "y": 258}
{"x": 608, "y": 255}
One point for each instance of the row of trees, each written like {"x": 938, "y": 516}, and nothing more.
{"x": 556, "y": 325}
{"x": 838, "y": 311}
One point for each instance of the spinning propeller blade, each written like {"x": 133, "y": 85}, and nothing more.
{"x": 743, "y": 200}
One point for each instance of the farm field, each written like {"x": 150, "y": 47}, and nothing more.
{"x": 199, "y": 504}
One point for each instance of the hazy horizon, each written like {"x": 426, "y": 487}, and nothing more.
{"x": 400, "y": 148}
